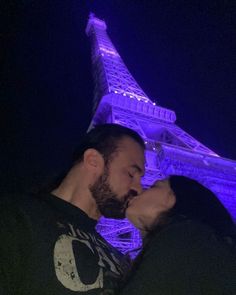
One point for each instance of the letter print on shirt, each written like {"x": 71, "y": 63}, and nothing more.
{"x": 67, "y": 259}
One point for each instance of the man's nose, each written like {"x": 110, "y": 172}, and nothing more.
{"x": 137, "y": 187}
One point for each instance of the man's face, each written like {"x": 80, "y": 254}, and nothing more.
{"x": 121, "y": 179}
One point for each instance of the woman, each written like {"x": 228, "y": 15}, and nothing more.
{"x": 190, "y": 249}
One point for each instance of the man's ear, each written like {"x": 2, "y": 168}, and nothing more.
{"x": 93, "y": 160}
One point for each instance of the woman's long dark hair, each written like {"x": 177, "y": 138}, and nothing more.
{"x": 195, "y": 201}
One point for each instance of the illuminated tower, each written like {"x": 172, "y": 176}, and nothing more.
{"x": 170, "y": 150}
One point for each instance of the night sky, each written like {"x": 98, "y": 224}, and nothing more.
{"x": 182, "y": 53}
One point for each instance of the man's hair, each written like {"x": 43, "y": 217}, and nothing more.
{"x": 105, "y": 138}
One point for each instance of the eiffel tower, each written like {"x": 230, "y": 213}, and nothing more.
{"x": 169, "y": 150}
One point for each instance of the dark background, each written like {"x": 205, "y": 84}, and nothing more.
{"x": 182, "y": 53}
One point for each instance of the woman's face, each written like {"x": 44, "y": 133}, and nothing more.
{"x": 143, "y": 211}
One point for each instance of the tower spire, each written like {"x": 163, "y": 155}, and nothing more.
{"x": 169, "y": 149}
{"x": 111, "y": 74}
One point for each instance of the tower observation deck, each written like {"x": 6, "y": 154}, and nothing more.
{"x": 169, "y": 149}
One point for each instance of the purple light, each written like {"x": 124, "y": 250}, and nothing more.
{"x": 107, "y": 51}
{"x": 170, "y": 150}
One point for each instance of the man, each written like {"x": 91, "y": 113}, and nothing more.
{"x": 49, "y": 244}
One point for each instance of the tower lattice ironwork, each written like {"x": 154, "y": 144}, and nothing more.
{"x": 169, "y": 149}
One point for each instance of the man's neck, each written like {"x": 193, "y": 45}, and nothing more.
{"x": 81, "y": 199}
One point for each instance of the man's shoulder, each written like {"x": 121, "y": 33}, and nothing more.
{"x": 13, "y": 200}
{"x": 21, "y": 203}
{"x": 17, "y": 199}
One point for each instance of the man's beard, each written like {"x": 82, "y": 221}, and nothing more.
{"x": 107, "y": 201}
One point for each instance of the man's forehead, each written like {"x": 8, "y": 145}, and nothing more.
{"x": 134, "y": 151}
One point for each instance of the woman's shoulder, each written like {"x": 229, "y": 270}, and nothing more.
{"x": 182, "y": 225}
{"x": 192, "y": 235}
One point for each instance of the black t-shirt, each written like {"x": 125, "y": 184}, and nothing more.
{"x": 49, "y": 246}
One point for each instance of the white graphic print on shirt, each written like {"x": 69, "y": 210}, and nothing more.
{"x": 67, "y": 266}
